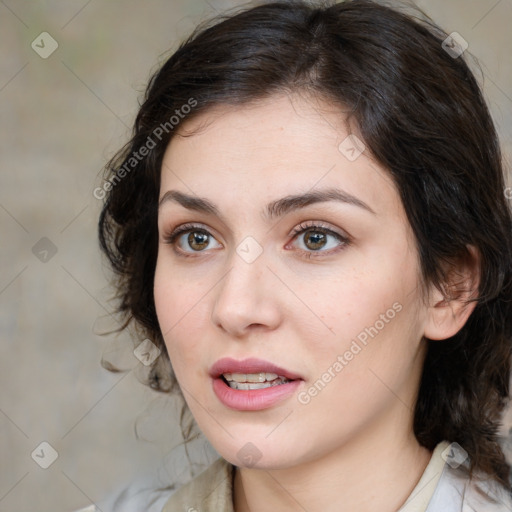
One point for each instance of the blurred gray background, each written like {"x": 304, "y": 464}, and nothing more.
{"x": 61, "y": 118}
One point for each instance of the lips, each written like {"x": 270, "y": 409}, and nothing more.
{"x": 251, "y": 365}
{"x": 283, "y": 384}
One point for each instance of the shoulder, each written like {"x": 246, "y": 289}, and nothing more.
{"x": 456, "y": 492}
{"x": 209, "y": 491}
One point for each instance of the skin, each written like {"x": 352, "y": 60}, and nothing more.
{"x": 352, "y": 446}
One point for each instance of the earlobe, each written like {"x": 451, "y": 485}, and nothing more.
{"x": 448, "y": 311}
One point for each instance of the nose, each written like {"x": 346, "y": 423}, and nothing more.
{"x": 246, "y": 298}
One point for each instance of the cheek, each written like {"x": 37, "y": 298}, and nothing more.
{"x": 178, "y": 307}
{"x": 350, "y": 302}
{"x": 374, "y": 303}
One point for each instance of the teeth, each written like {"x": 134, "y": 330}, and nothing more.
{"x": 256, "y": 385}
{"x": 249, "y": 385}
{"x": 251, "y": 377}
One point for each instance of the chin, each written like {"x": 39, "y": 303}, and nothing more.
{"x": 254, "y": 455}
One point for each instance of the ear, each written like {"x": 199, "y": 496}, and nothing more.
{"x": 449, "y": 310}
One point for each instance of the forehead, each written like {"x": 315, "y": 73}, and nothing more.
{"x": 282, "y": 145}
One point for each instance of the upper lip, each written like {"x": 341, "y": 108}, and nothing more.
{"x": 251, "y": 365}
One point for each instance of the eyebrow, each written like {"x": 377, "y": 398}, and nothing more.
{"x": 274, "y": 209}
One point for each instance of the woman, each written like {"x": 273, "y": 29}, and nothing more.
{"x": 310, "y": 225}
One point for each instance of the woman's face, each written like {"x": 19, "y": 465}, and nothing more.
{"x": 297, "y": 252}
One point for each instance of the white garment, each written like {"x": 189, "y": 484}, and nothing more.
{"x": 443, "y": 487}
{"x": 455, "y": 494}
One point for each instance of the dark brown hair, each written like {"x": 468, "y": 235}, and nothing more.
{"x": 422, "y": 116}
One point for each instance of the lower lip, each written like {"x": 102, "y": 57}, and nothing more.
{"x": 253, "y": 399}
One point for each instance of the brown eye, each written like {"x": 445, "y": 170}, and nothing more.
{"x": 314, "y": 239}
{"x": 191, "y": 239}
{"x": 197, "y": 240}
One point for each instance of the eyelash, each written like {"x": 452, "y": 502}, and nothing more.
{"x": 300, "y": 229}
{"x": 320, "y": 228}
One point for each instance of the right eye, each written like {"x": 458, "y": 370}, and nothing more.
{"x": 197, "y": 238}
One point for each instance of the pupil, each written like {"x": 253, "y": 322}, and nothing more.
{"x": 317, "y": 239}
{"x": 198, "y": 238}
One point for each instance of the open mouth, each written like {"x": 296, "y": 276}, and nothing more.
{"x": 253, "y": 381}
{"x": 252, "y": 384}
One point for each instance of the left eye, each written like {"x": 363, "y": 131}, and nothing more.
{"x": 318, "y": 239}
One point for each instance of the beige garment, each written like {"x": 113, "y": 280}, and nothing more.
{"x": 212, "y": 490}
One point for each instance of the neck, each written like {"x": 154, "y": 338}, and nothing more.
{"x": 376, "y": 471}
